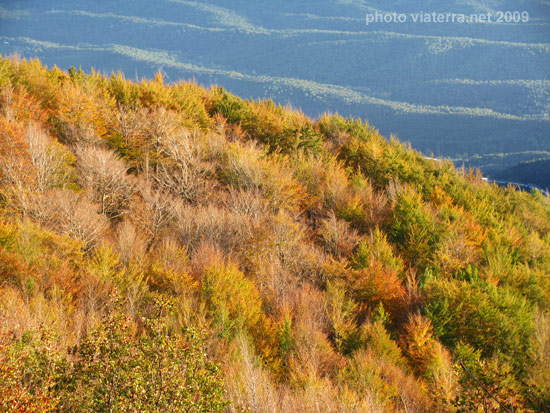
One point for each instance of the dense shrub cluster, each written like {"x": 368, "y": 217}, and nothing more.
{"x": 167, "y": 247}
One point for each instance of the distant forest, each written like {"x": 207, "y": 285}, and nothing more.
{"x": 533, "y": 172}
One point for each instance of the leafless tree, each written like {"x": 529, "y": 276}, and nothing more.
{"x": 75, "y": 135}
{"x": 6, "y": 102}
{"x": 66, "y": 212}
{"x": 337, "y": 236}
{"x": 184, "y": 173}
{"x": 248, "y": 203}
{"x": 130, "y": 123}
{"x": 129, "y": 242}
{"x": 152, "y": 212}
{"x": 160, "y": 125}
{"x": 17, "y": 178}
{"x": 223, "y": 229}
{"x": 105, "y": 178}
{"x": 50, "y": 160}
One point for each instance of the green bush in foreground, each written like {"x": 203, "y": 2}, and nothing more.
{"x": 113, "y": 370}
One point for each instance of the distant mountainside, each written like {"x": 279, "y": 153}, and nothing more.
{"x": 477, "y": 93}
{"x": 533, "y": 172}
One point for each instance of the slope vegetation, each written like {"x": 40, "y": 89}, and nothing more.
{"x": 173, "y": 248}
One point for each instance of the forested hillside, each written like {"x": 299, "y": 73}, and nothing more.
{"x": 535, "y": 172}
{"x": 175, "y": 248}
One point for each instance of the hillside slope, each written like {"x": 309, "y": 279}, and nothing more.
{"x": 170, "y": 247}
{"x": 533, "y": 172}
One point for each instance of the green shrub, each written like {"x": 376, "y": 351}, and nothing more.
{"x": 414, "y": 230}
{"x": 233, "y": 300}
{"x": 158, "y": 371}
{"x": 489, "y": 318}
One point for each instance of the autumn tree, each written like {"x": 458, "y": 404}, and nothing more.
{"x": 68, "y": 212}
{"x": 52, "y": 162}
{"x": 185, "y": 173}
{"x": 151, "y": 211}
{"x": 104, "y": 177}
{"x": 17, "y": 173}
{"x": 84, "y": 112}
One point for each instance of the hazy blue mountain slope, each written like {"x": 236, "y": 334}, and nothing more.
{"x": 533, "y": 172}
{"x": 456, "y": 90}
